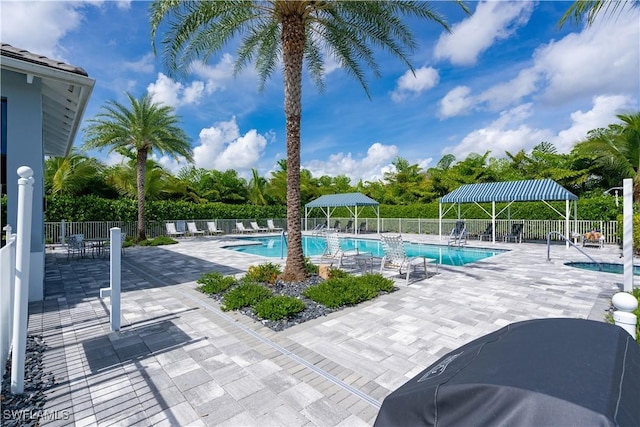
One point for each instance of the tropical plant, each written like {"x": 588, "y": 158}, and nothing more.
{"x": 592, "y": 8}
{"x": 292, "y": 31}
{"x": 73, "y": 175}
{"x": 257, "y": 188}
{"x": 143, "y": 128}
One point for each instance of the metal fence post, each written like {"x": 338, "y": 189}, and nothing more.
{"x": 21, "y": 293}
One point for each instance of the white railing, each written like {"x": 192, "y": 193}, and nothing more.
{"x": 7, "y": 281}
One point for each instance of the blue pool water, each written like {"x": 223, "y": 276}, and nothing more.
{"x": 314, "y": 246}
{"x": 606, "y": 267}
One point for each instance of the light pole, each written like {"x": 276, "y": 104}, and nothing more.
{"x": 616, "y": 193}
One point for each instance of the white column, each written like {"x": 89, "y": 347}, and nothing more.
{"x": 627, "y": 233}
{"x": 21, "y": 293}
{"x": 115, "y": 274}
{"x": 567, "y": 224}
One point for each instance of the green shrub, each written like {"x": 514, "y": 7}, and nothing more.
{"x": 636, "y": 293}
{"x": 245, "y": 295}
{"x": 350, "y": 290}
{"x": 310, "y": 267}
{"x": 279, "y": 307}
{"x": 158, "y": 241}
{"x": 214, "y": 283}
{"x": 336, "y": 273}
{"x": 265, "y": 273}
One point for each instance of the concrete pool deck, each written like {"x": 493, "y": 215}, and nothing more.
{"x": 179, "y": 360}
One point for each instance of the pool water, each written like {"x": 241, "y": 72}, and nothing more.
{"x": 315, "y": 246}
{"x": 606, "y": 267}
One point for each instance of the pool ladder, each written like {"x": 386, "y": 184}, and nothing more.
{"x": 283, "y": 242}
{"x": 570, "y": 243}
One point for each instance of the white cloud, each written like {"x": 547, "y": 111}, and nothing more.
{"x": 409, "y": 84}
{"x": 457, "y": 101}
{"x": 601, "y": 115}
{"x": 143, "y": 65}
{"x": 216, "y": 76}
{"x": 174, "y": 94}
{"x": 222, "y": 147}
{"x": 509, "y": 93}
{"x": 491, "y": 21}
{"x": 48, "y": 22}
{"x": 369, "y": 168}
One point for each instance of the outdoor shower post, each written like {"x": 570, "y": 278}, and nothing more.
{"x": 627, "y": 233}
{"x": 115, "y": 277}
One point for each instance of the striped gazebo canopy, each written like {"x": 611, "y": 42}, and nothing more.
{"x": 346, "y": 199}
{"x": 510, "y": 191}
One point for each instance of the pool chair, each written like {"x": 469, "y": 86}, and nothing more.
{"x": 334, "y": 252}
{"x": 593, "y": 239}
{"x": 488, "y": 232}
{"x": 212, "y": 228}
{"x": 172, "y": 231}
{"x": 271, "y": 226}
{"x": 240, "y": 228}
{"x": 193, "y": 229}
{"x": 458, "y": 235}
{"x": 362, "y": 228}
{"x": 517, "y": 230}
{"x": 336, "y": 226}
{"x": 395, "y": 258}
{"x": 257, "y": 228}
{"x": 349, "y": 227}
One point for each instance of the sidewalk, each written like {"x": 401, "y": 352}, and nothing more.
{"x": 179, "y": 360}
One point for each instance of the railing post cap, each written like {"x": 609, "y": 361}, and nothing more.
{"x": 624, "y": 301}
{"x": 25, "y": 172}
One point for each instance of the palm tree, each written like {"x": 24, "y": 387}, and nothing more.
{"x": 294, "y": 31}
{"x": 592, "y": 8}
{"x": 617, "y": 148}
{"x": 256, "y": 188}
{"x": 71, "y": 175}
{"x": 139, "y": 130}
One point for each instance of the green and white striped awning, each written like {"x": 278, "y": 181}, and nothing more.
{"x": 337, "y": 200}
{"x": 511, "y": 191}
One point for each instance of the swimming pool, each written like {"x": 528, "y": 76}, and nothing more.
{"x": 314, "y": 246}
{"x": 606, "y": 267}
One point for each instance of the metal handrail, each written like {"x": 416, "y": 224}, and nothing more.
{"x": 283, "y": 242}
{"x": 570, "y": 243}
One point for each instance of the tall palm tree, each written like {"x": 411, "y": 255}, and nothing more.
{"x": 141, "y": 129}
{"x": 617, "y": 148}
{"x": 293, "y": 31}
{"x": 592, "y": 8}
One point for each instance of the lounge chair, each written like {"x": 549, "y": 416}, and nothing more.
{"x": 212, "y": 228}
{"x": 240, "y": 228}
{"x": 349, "y": 227}
{"x": 271, "y": 226}
{"x": 257, "y": 228}
{"x": 593, "y": 239}
{"x": 334, "y": 250}
{"x": 517, "y": 230}
{"x": 395, "y": 257}
{"x": 458, "y": 234}
{"x": 193, "y": 229}
{"x": 172, "y": 231}
{"x": 336, "y": 226}
{"x": 363, "y": 227}
{"x": 488, "y": 232}
{"x": 318, "y": 229}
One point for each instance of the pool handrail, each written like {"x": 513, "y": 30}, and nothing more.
{"x": 570, "y": 243}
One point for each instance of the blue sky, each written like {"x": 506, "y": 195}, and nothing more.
{"x": 507, "y": 78}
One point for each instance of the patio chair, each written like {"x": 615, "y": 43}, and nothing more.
{"x": 458, "y": 234}
{"x": 516, "y": 233}
{"x": 193, "y": 229}
{"x": 593, "y": 239}
{"x": 349, "y": 227}
{"x": 75, "y": 246}
{"x": 257, "y": 228}
{"x": 336, "y": 226}
{"x": 395, "y": 257}
{"x": 488, "y": 232}
{"x": 105, "y": 246}
{"x": 212, "y": 228}
{"x": 363, "y": 227}
{"x": 334, "y": 250}
{"x": 172, "y": 231}
{"x": 271, "y": 226}
{"x": 240, "y": 228}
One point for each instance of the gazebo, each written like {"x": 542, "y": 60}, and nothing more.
{"x": 354, "y": 202}
{"x": 543, "y": 190}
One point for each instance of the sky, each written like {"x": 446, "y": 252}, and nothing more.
{"x": 505, "y": 79}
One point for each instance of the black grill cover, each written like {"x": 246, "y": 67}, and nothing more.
{"x": 545, "y": 372}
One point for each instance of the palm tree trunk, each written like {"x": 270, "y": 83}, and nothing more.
{"x": 293, "y": 41}
{"x": 141, "y": 174}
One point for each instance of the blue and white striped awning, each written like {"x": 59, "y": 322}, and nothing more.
{"x": 346, "y": 199}
{"x": 511, "y": 191}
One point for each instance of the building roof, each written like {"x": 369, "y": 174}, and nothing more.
{"x": 346, "y": 199}
{"x": 65, "y": 93}
{"x": 510, "y": 191}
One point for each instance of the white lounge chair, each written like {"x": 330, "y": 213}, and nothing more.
{"x": 257, "y": 228}
{"x": 334, "y": 250}
{"x": 212, "y": 228}
{"x": 271, "y": 226}
{"x": 171, "y": 230}
{"x": 240, "y": 228}
{"x": 193, "y": 229}
{"x": 395, "y": 257}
